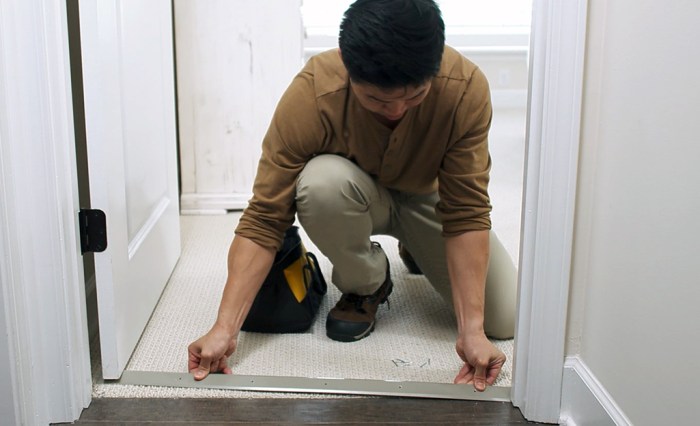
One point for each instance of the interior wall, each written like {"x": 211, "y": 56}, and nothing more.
{"x": 636, "y": 277}
{"x": 234, "y": 61}
{"x": 507, "y": 74}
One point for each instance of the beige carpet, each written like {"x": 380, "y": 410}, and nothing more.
{"x": 414, "y": 339}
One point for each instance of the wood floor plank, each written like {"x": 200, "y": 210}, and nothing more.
{"x": 374, "y": 411}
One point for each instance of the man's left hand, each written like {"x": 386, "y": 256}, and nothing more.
{"x": 482, "y": 361}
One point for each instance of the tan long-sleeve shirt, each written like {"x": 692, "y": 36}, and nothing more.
{"x": 441, "y": 144}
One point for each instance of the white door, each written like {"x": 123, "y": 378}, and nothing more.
{"x": 128, "y": 80}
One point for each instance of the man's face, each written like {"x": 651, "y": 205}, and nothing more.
{"x": 389, "y": 104}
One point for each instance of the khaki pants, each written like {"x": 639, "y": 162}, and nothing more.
{"x": 340, "y": 207}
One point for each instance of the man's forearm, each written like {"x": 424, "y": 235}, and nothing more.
{"x": 467, "y": 263}
{"x": 248, "y": 265}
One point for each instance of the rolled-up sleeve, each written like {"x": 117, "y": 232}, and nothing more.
{"x": 464, "y": 175}
{"x": 294, "y": 135}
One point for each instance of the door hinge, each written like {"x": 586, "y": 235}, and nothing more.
{"x": 93, "y": 230}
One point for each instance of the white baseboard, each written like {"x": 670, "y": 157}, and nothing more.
{"x": 584, "y": 400}
{"x": 197, "y": 204}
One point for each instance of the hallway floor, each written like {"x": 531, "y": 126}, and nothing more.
{"x": 374, "y": 411}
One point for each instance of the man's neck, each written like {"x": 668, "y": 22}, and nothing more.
{"x": 385, "y": 121}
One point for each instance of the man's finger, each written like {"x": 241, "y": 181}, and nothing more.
{"x": 194, "y": 357}
{"x": 492, "y": 374}
{"x": 202, "y": 371}
{"x": 464, "y": 375}
{"x": 223, "y": 363}
{"x": 480, "y": 378}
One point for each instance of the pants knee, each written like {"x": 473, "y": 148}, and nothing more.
{"x": 329, "y": 184}
{"x": 502, "y": 327}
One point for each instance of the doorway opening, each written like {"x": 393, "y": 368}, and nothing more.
{"x": 507, "y": 145}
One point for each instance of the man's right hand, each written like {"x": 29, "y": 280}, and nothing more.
{"x": 209, "y": 353}
{"x": 248, "y": 265}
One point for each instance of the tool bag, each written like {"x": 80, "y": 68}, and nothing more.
{"x": 291, "y": 293}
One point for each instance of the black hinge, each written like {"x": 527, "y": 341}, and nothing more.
{"x": 93, "y": 230}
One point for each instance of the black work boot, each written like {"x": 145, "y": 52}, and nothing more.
{"x": 407, "y": 259}
{"x": 352, "y": 318}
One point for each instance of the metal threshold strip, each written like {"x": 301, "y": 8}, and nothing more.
{"x": 316, "y": 385}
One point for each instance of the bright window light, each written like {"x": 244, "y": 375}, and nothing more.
{"x": 322, "y": 17}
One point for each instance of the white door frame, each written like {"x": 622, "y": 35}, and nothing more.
{"x": 554, "y": 117}
{"x": 42, "y": 293}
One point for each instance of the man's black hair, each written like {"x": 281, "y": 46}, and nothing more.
{"x": 392, "y": 43}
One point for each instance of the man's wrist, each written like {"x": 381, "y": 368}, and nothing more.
{"x": 468, "y": 328}
{"x": 470, "y": 319}
{"x": 227, "y": 326}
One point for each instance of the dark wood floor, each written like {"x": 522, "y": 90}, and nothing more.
{"x": 359, "y": 411}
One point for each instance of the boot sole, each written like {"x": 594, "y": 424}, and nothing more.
{"x": 346, "y": 338}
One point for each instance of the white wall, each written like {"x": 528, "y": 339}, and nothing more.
{"x": 234, "y": 61}
{"x": 636, "y": 273}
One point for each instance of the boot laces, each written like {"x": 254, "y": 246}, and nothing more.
{"x": 357, "y": 301}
